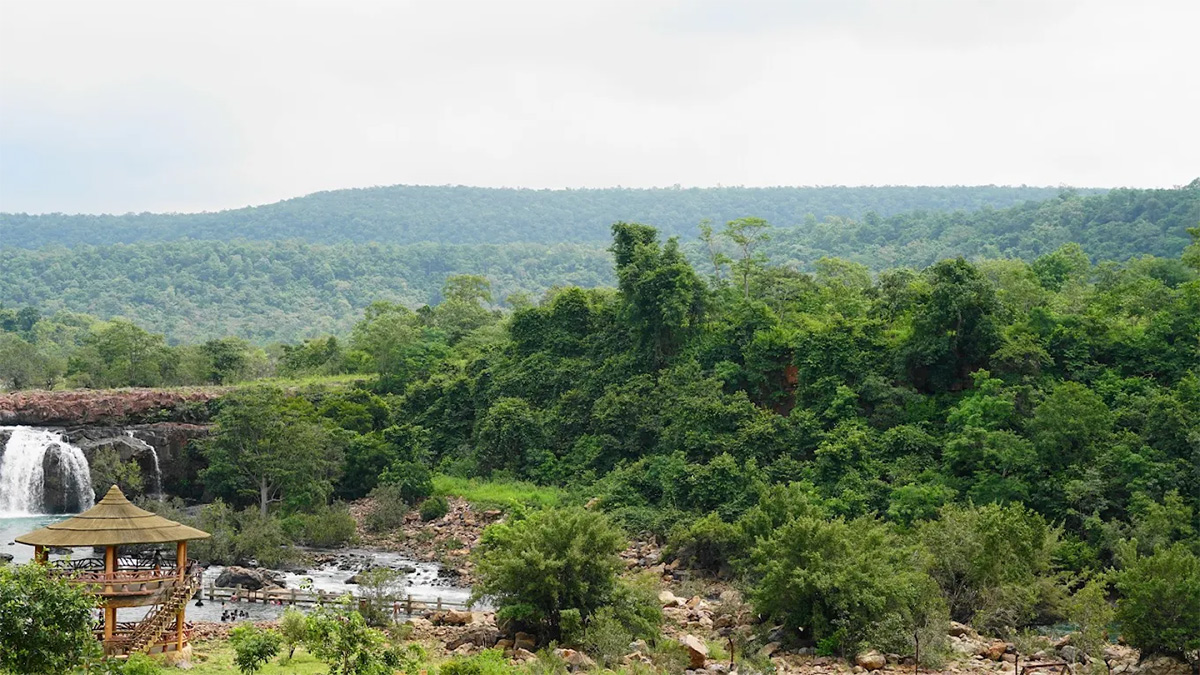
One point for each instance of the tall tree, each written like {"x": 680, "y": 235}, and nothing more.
{"x": 748, "y": 234}
{"x": 268, "y": 446}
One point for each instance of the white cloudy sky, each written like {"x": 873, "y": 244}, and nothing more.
{"x": 176, "y": 105}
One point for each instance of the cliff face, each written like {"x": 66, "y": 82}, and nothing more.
{"x": 107, "y": 407}
{"x": 153, "y": 427}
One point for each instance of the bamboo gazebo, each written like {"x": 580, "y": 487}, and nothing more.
{"x": 127, "y": 582}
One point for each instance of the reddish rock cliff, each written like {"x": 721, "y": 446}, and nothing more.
{"x": 106, "y": 407}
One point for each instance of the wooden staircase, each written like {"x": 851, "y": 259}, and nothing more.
{"x": 160, "y": 616}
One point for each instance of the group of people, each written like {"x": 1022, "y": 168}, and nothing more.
{"x": 232, "y": 614}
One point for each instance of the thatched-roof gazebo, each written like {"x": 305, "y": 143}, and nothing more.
{"x": 127, "y": 582}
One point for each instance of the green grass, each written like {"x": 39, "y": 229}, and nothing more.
{"x": 504, "y": 495}
{"x": 215, "y": 657}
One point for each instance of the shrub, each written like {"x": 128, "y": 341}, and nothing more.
{"x": 389, "y": 509}
{"x": 555, "y": 560}
{"x": 45, "y": 622}
{"x": 993, "y": 563}
{"x": 413, "y": 480}
{"x": 328, "y": 527}
{"x": 293, "y": 629}
{"x": 434, "y": 508}
{"x": 1089, "y": 610}
{"x": 138, "y": 664}
{"x": 487, "y": 662}
{"x": 341, "y": 638}
{"x": 253, "y": 647}
{"x": 108, "y": 469}
{"x": 380, "y": 588}
{"x": 606, "y": 638}
{"x": 847, "y": 585}
{"x": 709, "y": 544}
{"x": 1160, "y": 596}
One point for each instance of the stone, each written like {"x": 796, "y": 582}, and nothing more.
{"x": 858, "y": 669}
{"x": 476, "y": 635}
{"x": 768, "y": 649}
{"x": 504, "y": 644}
{"x": 694, "y": 602}
{"x": 668, "y": 599}
{"x": 1069, "y": 654}
{"x": 524, "y": 641}
{"x": 871, "y": 660}
{"x": 249, "y": 579}
{"x": 5, "y": 558}
{"x": 457, "y": 618}
{"x": 1161, "y": 665}
{"x": 575, "y": 658}
{"x": 995, "y": 650}
{"x": 697, "y": 650}
{"x": 960, "y": 630}
{"x": 522, "y": 654}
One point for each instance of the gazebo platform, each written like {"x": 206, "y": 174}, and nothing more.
{"x": 127, "y": 582}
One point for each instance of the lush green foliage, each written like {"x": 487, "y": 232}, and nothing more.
{"x": 552, "y": 561}
{"x": 342, "y": 639}
{"x": 45, "y": 623}
{"x": 434, "y": 508}
{"x": 253, "y": 646}
{"x": 1159, "y": 608}
{"x": 266, "y": 290}
{"x": 458, "y": 214}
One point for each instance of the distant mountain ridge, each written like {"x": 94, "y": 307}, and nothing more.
{"x": 406, "y": 214}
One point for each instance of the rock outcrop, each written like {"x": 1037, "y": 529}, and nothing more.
{"x": 106, "y": 407}
{"x": 249, "y": 579}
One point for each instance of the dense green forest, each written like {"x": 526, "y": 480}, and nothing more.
{"x": 405, "y": 214}
{"x": 1001, "y": 442}
{"x": 285, "y": 291}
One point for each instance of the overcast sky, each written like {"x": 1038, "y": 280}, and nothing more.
{"x": 168, "y": 105}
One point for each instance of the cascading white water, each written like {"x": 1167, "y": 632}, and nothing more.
{"x": 158, "y": 491}
{"x": 22, "y": 471}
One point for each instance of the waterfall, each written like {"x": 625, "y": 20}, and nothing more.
{"x": 23, "y": 472}
{"x": 158, "y": 491}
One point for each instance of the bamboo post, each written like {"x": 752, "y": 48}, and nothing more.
{"x": 110, "y": 612}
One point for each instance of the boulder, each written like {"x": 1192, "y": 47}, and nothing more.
{"x": 995, "y": 650}
{"x": 1069, "y": 654}
{"x": 960, "y": 630}
{"x": 477, "y": 635}
{"x": 457, "y": 618}
{"x": 1161, "y": 665}
{"x": 5, "y": 558}
{"x": 697, "y": 650}
{"x": 521, "y": 654}
{"x": 249, "y": 579}
{"x": 871, "y": 660}
{"x": 668, "y": 599}
{"x": 768, "y": 649}
{"x": 524, "y": 641}
{"x": 575, "y": 659}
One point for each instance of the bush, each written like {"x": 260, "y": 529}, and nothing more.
{"x": 847, "y": 585}
{"x": 341, "y": 638}
{"x": 413, "y": 480}
{"x": 533, "y": 569}
{"x": 434, "y": 508}
{"x": 253, "y": 646}
{"x": 993, "y": 564}
{"x": 107, "y": 470}
{"x": 389, "y": 509}
{"x": 59, "y": 638}
{"x": 293, "y": 629}
{"x": 329, "y": 527}
{"x": 606, "y": 638}
{"x": 487, "y": 662}
{"x": 709, "y": 544}
{"x": 1159, "y": 607}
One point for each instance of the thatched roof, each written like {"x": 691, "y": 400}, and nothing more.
{"x": 112, "y": 522}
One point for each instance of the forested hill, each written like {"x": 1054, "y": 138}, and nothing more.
{"x": 405, "y": 214}
{"x": 287, "y": 290}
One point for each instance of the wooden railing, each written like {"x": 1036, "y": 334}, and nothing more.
{"x": 122, "y": 582}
